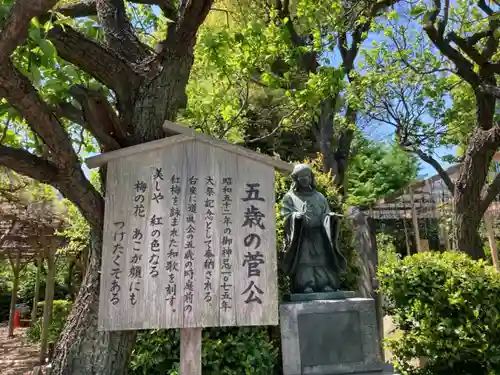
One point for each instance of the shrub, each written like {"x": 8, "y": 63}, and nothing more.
{"x": 446, "y": 306}
{"x": 225, "y": 351}
{"x": 61, "y": 310}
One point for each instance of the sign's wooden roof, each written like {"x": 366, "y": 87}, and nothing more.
{"x": 178, "y": 134}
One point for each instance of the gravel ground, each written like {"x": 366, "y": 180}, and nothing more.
{"x": 17, "y": 356}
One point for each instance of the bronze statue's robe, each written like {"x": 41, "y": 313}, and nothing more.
{"x": 312, "y": 259}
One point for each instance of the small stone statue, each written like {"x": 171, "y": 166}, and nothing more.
{"x": 313, "y": 260}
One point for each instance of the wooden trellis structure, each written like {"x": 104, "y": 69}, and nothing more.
{"x": 28, "y": 232}
{"x": 427, "y": 201}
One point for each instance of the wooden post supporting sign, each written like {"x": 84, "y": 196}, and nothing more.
{"x": 190, "y": 363}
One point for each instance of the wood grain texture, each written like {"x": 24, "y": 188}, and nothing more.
{"x": 256, "y": 239}
{"x": 102, "y": 159}
{"x": 190, "y": 363}
{"x": 209, "y": 233}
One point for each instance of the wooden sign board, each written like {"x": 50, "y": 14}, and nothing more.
{"x": 189, "y": 240}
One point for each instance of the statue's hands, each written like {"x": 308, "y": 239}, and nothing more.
{"x": 335, "y": 214}
{"x": 299, "y": 215}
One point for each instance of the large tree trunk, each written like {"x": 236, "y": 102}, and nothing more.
{"x": 469, "y": 207}
{"x": 81, "y": 349}
{"x": 335, "y": 153}
{"x": 468, "y": 238}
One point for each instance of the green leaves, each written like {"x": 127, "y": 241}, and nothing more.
{"x": 418, "y": 10}
{"x": 377, "y": 170}
{"x": 263, "y": 50}
{"x": 225, "y": 351}
{"x": 446, "y": 307}
{"x": 407, "y": 85}
{"x": 49, "y": 51}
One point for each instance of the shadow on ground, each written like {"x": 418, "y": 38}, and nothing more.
{"x": 17, "y": 356}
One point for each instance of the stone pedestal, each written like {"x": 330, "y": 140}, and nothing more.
{"x": 330, "y": 337}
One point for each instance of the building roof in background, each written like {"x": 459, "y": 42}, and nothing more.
{"x": 430, "y": 197}
{"x": 30, "y": 216}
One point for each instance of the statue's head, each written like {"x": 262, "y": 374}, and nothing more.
{"x": 303, "y": 178}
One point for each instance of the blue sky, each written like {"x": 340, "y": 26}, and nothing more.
{"x": 384, "y": 132}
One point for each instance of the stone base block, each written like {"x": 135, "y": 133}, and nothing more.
{"x": 330, "y": 337}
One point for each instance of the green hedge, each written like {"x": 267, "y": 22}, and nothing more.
{"x": 225, "y": 351}
{"x": 447, "y": 308}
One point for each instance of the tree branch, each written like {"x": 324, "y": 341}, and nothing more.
{"x": 444, "y": 22}
{"x": 20, "y": 93}
{"x": 97, "y": 60}
{"x": 493, "y": 24}
{"x": 437, "y": 166}
{"x": 70, "y": 112}
{"x": 470, "y": 50}
{"x": 490, "y": 89}
{"x": 118, "y": 31}
{"x": 100, "y": 119}
{"x": 490, "y": 193}
{"x": 489, "y": 141}
{"x": 63, "y": 170}
{"x": 27, "y": 164}
{"x": 181, "y": 34}
{"x": 475, "y": 38}
{"x": 283, "y": 8}
{"x": 16, "y": 27}
{"x": 349, "y": 53}
{"x": 88, "y": 121}
{"x": 86, "y": 8}
{"x": 489, "y": 138}
{"x": 485, "y": 8}
{"x": 74, "y": 187}
{"x": 464, "y": 67}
